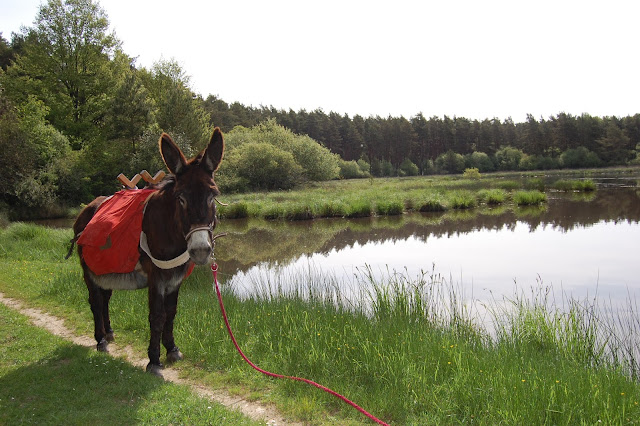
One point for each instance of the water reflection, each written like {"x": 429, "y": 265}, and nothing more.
{"x": 576, "y": 243}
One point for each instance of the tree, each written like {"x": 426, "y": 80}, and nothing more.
{"x": 450, "y": 162}
{"x": 508, "y": 158}
{"x": 614, "y": 147}
{"x": 6, "y": 53}
{"x": 32, "y": 154}
{"x": 66, "y": 64}
{"x": 178, "y": 110}
{"x": 130, "y": 113}
{"x": 480, "y": 161}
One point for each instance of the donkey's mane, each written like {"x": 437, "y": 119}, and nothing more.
{"x": 165, "y": 184}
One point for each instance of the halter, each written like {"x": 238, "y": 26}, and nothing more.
{"x": 178, "y": 260}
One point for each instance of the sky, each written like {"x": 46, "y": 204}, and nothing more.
{"x": 464, "y": 58}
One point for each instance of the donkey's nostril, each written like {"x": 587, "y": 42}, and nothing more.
{"x": 200, "y": 255}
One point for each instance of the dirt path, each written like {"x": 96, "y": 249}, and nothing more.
{"x": 56, "y": 326}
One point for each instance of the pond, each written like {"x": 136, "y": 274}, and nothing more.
{"x": 578, "y": 244}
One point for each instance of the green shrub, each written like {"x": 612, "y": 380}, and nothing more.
{"x": 382, "y": 168}
{"x": 480, "y": 161}
{"x": 450, "y": 162}
{"x": 269, "y": 156}
{"x": 508, "y": 158}
{"x": 472, "y": 173}
{"x": 260, "y": 166}
{"x": 351, "y": 170}
{"x": 580, "y": 157}
{"x": 408, "y": 168}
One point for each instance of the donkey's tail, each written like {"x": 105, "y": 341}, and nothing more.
{"x": 72, "y": 245}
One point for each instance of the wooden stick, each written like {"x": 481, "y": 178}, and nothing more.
{"x": 129, "y": 184}
{"x": 152, "y": 180}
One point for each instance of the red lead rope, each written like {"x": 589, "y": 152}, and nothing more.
{"x": 214, "y": 269}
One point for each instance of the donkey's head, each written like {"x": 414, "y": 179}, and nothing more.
{"x": 193, "y": 193}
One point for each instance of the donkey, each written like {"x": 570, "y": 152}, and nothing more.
{"x": 177, "y": 232}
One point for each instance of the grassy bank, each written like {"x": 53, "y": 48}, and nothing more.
{"x": 410, "y": 352}
{"x": 394, "y": 196}
{"x": 46, "y": 380}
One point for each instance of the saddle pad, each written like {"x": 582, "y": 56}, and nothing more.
{"x": 110, "y": 240}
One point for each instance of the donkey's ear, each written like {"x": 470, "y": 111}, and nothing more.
{"x": 171, "y": 154}
{"x": 214, "y": 152}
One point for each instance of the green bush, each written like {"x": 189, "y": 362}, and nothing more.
{"x": 580, "y": 157}
{"x": 408, "y": 168}
{"x": 508, "y": 158}
{"x": 472, "y": 173}
{"x": 284, "y": 159}
{"x": 480, "y": 161}
{"x": 351, "y": 170}
{"x": 450, "y": 162}
{"x": 382, "y": 168}
{"x": 259, "y": 166}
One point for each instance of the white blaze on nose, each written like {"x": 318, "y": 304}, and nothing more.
{"x": 199, "y": 245}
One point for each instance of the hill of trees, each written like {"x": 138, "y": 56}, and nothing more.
{"x": 75, "y": 111}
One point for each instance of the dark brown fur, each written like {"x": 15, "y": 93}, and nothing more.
{"x": 185, "y": 199}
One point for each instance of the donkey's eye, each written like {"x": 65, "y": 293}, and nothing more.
{"x": 183, "y": 201}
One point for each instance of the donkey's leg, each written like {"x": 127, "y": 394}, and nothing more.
{"x": 96, "y": 301}
{"x": 156, "y": 324}
{"x": 106, "y": 296}
{"x": 170, "y": 308}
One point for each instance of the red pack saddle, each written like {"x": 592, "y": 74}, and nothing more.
{"x": 110, "y": 240}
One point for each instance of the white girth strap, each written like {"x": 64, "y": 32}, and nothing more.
{"x": 162, "y": 264}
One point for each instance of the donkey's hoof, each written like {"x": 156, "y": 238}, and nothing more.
{"x": 109, "y": 336}
{"x": 155, "y": 369}
{"x": 174, "y": 355}
{"x": 103, "y": 346}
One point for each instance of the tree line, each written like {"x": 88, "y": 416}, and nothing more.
{"x": 76, "y": 110}
{"x": 450, "y": 144}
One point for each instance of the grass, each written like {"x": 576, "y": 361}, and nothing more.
{"x": 46, "y": 380}
{"x": 580, "y": 185}
{"x": 407, "y": 349}
{"x": 395, "y": 196}
{"x": 529, "y": 198}
{"x": 492, "y": 197}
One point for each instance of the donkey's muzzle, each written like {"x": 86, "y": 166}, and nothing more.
{"x": 200, "y": 247}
